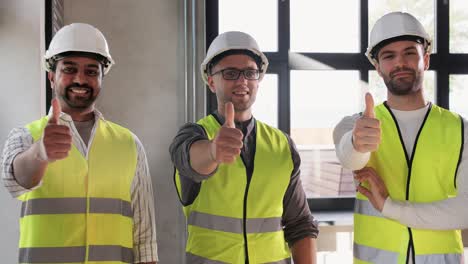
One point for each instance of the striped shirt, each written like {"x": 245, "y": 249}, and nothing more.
{"x": 144, "y": 227}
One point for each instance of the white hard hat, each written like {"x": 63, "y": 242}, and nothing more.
{"x": 394, "y": 25}
{"x": 78, "y": 37}
{"x": 232, "y": 40}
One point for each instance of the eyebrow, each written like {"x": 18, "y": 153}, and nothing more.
{"x": 391, "y": 51}
{"x": 246, "y": 68}
{"x": 91, "y": 65}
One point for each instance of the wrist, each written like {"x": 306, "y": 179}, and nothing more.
{"x": 212, "y": 152}
{"x": 38, "y": 151}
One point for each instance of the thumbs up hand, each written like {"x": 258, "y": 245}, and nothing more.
{"x": 366, "y": 131}
{"x": 57, "y": 138}
{"x": 227, "y": 144}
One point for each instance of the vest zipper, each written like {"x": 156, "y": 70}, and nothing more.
{"x": 246, "y": 192}
{"x": 244, "y": 217}
{"x": 410, "y": 248}
{"x": 409, "y": 162}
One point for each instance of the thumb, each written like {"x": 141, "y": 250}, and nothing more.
{"x": 369, "y": 112}
{"x": 56, "y": 110}
{"x": 229, "y": 115}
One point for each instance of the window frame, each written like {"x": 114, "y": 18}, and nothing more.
{"x": 443, "y": 63}
{"x": 54, "y": 20}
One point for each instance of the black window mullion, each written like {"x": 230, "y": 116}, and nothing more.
{"x": 337, "y": 61}
{"x": 48, "y": 39}
{"x": 212, "y": 30}
{"x": 443, "y": 63}
{"x": 364, "y": 29}
{"x": 284, "y": 92}
{"x": 442, "y": 44}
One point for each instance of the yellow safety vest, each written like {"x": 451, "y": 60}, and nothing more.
{"x": 429, "y": 176}
{"x": 232, "y": 219}
{"x": 82, "y": 211}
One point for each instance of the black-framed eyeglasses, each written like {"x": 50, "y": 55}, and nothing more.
{"x": 234, "y": 74}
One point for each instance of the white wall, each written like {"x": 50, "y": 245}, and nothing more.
{"x": 21, "y": 95}
{"x": 144, "y": 91}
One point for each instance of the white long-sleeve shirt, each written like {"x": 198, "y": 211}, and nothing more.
{"x": 142, "y": 203}
{"x": 441, "y": 215}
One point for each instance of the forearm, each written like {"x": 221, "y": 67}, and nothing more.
{"x": 342, "y": 138}
{"x": 201, "y": 157}
{"x": 444, "y": 215}
{"x": 29, "y": 168}
{"x": 180, "y": 147}
{"x": 145, "y": 246}
{"x": 297, "y": 219}
{"x": 304, "y": 251}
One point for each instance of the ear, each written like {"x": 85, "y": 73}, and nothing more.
{"x": 51, "y": 76}
{"x": 211, "y": 84}
{"x": 427, "y": 60}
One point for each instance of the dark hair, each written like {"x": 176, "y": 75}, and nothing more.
{"x": 375, "y": 51}
{"x": 101, "y": 59}
{"x": 216, "y": 59}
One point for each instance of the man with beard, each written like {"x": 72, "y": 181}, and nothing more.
{"x": 83, "y": 181}
{"x": 238, "y": 178}
{"x": 408, "y": 155}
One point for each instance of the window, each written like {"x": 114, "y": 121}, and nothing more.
{"x": 458, "y": 26}
{"x": 54, "y": 17}
{"x": 266, "y": 104}
{"x": 318, "y": 26}
{"x": 260, "y": 25}
{"x": 459, "y": 94}
{"x": 318, "y": 71}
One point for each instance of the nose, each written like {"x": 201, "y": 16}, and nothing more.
{"x": 241, "y": 78}
{"x": 79, "y": 77}
{"x": 400, "y": 61}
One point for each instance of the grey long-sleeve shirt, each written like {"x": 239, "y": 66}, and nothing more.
{"x": 297, "y": 220}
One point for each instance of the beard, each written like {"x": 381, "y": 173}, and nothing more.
{"x": 403, "y": 85}
{"x": 242, "y": 106}
{"x": 79, "y": 101}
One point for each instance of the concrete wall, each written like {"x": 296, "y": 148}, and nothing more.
{"x": 22, "y": 94}
{"x": 144, "y": 91}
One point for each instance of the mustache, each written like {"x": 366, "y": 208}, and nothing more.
{"x": 401, "y": 69}
{"x": 77, "y": 85}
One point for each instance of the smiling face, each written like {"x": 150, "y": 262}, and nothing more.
{"x": 77, "y": 83}
{"x": 241, "y": 92}
{"x": 401, "y": 64}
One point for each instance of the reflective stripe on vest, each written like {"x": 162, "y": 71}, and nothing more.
{"x": 194, "y": 259}
{"x": 227, "y": 202}
{"x": 75, "y": 206}
{"x": 439, "y": 143}
{"x": 380, "y": 256}
{"x": 374, "y": 255}
{"x": 234, "y": 225}
{"x": 75, "y": 254}
{"x": 82, "y": 210}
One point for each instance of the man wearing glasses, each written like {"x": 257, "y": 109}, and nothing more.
{"x": 238, "y": 178}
